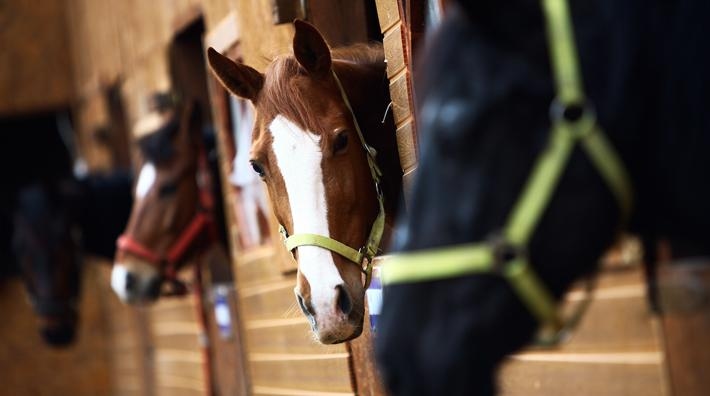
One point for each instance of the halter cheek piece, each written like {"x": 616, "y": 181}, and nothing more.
{"x": 202, "y": 222}
{"x": 573, "y": 122}
{"x": 368, "y": 251}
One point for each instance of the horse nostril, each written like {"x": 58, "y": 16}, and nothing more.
{"x": 304, "y": 307}
{"x": 154, "y": 288}
{"x": 131, "y": 281}
{"x": 344, "y": 303}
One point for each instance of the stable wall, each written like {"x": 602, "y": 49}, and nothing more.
{"x": 35, "y": 60}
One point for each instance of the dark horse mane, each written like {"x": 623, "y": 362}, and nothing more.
{"x": 484, "y": 94}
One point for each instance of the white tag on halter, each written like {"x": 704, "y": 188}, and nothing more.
{"x": 374, "y": 299}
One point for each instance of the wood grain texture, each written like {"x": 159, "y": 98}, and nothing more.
{"x": 686, "y": 327}
{"x": 35, "y": 57}
{"x": 615, "y": 350}
{"x": 326, "y": 375}
{"x": 407, "y": 146}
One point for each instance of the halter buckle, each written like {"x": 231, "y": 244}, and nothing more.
{"x": 504, "y": 253}
{"x": 378, "y": 189}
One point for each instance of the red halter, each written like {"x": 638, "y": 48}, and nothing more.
{"x": 202, "y": 222}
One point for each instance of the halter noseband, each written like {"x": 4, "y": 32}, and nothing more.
{"x": 202, "y": 222}
{"x": 370, "y": 248}
{"x": 506, "y": 256}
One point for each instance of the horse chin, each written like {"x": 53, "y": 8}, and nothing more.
{"x": 342, "y": 330}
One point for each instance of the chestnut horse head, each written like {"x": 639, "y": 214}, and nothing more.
{"x": 308, "y": 150}
{"x": 170, "y": 219}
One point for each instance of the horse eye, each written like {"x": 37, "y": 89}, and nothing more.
{"x": 341, "y": 142}
{"x": 257, "y": 168}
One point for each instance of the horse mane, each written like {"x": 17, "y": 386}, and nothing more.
{"x": 279, "y": 93}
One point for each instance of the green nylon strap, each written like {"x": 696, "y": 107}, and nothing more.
{"x": 342, "y": 249}
{"x": 480, "y": 258}
{"x": 437, "y": 264}
{"x": 539, "y": 187}
{"x": 371, "y": 246}
{"x": 563, "y": 52}
{"x": 612, "y": 169}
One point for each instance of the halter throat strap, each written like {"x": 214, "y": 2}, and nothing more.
{"x": 368, "y": 251}
{"x": 506, "y": 255}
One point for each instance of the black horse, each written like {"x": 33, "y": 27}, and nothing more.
{"x": 484, "y": 92}
{"x": 49, "y": 218}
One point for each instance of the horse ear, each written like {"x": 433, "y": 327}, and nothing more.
{"x": 238, "y": 78}
{"x": 310, "y": 48}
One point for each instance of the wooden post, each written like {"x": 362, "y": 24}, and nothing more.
{"x": 684, "y": 296}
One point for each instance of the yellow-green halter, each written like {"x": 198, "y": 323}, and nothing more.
{"x": 370, "y": 249}
{"x": 507, "y": 256}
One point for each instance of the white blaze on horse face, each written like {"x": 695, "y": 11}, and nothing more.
{"x": 146, "y": 179}
{"x": 298, "y": 157}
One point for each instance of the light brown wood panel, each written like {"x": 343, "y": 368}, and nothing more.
{"x": 260, "y": 40}
{"x": 620, "y": 324}
{"x": 170, "y": 385}
{"x": 178, "y": 341}
{"x": 284, "y": 336}
{"x": 274, "y": 300}
{"x": 35, "y": 65}
{"x": 214, "y": 11}
{"x": 394, "y": 51}
{"x": 532, "y": 378}
{"x": 609, "y": 278}
{"x": 182, "y": 311}
{"x": 167, "y": 368}
{"x": 257, "y": 266}
{"x": 399, "y": 91}
{"x": 407, "y": 146}
{"x": 325, "y": 375}
{"x": 387, "y": 13}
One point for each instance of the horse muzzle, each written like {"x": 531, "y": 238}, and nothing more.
{"x": 135, "y": 282}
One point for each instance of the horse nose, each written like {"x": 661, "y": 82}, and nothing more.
{"x": 343, "y": 301}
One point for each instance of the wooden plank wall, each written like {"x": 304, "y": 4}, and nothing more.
{"x": 617, "y": 349}
{"x": 399, "y": 72}
{"x": 35, "y": 66}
